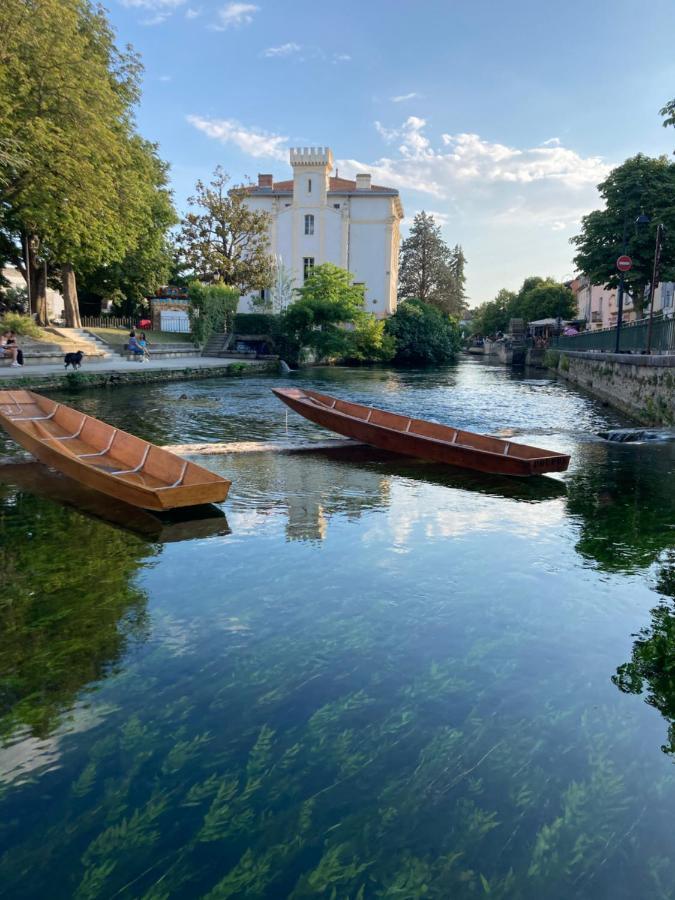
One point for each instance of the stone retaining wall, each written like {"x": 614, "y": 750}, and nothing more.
{"x": 78, "y": 380}
{"x": 641, "y": 386}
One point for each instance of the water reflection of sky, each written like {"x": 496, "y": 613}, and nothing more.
{"x": 385, "y": 668}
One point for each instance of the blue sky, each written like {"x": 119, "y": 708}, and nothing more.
{"x": 499, "y": 117}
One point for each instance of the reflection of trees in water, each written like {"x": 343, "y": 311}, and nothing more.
{"x": 651, "y": 669}
{"x": 624, "y": 501}
{"x": 67, "y": 608}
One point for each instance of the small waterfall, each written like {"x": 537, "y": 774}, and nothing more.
{"x": 284, "y": 368}
{"x": 635, "y": 435}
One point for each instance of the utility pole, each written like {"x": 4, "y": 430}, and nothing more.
{"x": 660, "y": 232}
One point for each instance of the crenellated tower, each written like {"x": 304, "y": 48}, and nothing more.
{"x": 311, "y": 173}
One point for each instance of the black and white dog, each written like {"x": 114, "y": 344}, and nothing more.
{"x": 73, "y": 359}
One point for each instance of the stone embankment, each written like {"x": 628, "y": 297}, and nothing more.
{"x": 641, "y": 386}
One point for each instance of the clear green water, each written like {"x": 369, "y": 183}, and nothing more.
{"x": 389, "y": 679}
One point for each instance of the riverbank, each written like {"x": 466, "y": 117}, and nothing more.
{"x": 640, "y": 386}
{"x": 121, "y": 372}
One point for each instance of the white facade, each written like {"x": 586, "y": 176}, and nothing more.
{"x": 55, "y": 305}
{"x": 317, "y": 218}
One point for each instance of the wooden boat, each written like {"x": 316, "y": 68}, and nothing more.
{"x": 419, "y": 438}
{"x": 171, "y": 526}
{"x": 106, "y": 458}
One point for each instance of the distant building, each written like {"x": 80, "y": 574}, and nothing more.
{"x": 55, "y": 305}
{"x": 597, "y": 305}
{"x": 317, "y": 217}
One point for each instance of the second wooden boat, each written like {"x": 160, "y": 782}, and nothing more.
{"x": 420, "y": 438}
{"x": 104, "y": 458}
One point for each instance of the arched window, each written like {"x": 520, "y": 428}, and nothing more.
{"x": 309, "y": 224}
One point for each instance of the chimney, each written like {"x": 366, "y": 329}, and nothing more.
{"x": 266, "y": 182}
{"x": 363, "y": 182}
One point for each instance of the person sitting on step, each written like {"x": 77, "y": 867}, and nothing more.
{"x": 9, "y": 347}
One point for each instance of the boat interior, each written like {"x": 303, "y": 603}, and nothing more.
{"x": 100, "y": 446}
{"x": 431, "y": 430}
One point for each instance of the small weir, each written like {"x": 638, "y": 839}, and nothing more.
{"x": 636, "y": 435}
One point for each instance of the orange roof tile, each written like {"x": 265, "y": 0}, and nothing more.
{"x": 336, "y": 185}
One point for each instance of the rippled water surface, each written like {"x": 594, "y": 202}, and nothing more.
{"x": 375, "y": 677}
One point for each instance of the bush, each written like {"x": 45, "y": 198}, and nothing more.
{"x": 236, "y": 368}
{"x": 369, "y": 342}
{"x": 20, "y": 324}
{"x": 212, "y": 309}
{"x": 423, "y": 334}
{"x": 255, "y": 323}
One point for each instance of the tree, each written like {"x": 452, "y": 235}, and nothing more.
{"x": 493, "y": 315}
{"x": 423, "y": 334}
{"x": 282, "y": 286}
{"x": 148, "y": 263}
{"x": 543, "y": 298}
{"x": 211, "y": 308}
{"x": 641, "y": 184}
{"x": 326, "y": 302}
{"x": 428, "y": 270}
{"x": 538, "y": 298}
{"x": 668, "y": 113}
{"x": 68, "y": 94}
{"x": 225, "y": 240}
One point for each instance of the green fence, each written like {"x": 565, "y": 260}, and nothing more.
{"x": 633, "y": 337}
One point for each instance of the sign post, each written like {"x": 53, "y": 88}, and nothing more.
{"x": 624, "y": 264}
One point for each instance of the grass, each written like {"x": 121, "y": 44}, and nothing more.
{"x": 117, "y": 337}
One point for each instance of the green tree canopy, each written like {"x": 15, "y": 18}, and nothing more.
{"x": 423, "y": 334}
{"x": 642, "y": 184}
{"x": 429, "y": 270}
{"x": 224, "y": 240}
{"x": 326, "y": 302}
{"x": 538, "y": 298}
{"x": 212, "y": 309}
{"x": 75, "y": 188}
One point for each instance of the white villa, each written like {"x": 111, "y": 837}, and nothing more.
{"x": 318, "y": 217}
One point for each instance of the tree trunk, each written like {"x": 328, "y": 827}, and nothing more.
{"x": 39, "y": 283}
{"x": 70, "y": 302}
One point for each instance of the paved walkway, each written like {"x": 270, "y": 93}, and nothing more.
{"x": 7, "y": 373}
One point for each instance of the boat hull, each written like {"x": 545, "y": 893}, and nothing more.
{"x": 55, "y": 454}
{"x": 392, "y": 436}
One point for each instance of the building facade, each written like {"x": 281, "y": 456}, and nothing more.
{"x": 317, "y": 217}
{"x": 598, "y": 305}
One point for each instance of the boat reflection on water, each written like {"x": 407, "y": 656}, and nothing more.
{"x": 392, "y": 464}
{"x": 183, "y": 524}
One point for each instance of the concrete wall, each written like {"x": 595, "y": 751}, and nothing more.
{"x": 643, "y": 387}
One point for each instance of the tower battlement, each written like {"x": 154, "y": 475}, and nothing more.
{"x": 312, "y": 156}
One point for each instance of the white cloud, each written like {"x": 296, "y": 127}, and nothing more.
{"x": 161, "y": 9}
{"x": 155, "y": 5}
{"x": 254, "y": 141}
{"x": 283, "y": 50}
{"x": 469, "y": 158}
{"x": 165, "y": 78}
{"x": 191, "y": 13}
{"x": 232, "y": 15}
{"x": 400, "y": 98}
{"x": 341, "y": 57}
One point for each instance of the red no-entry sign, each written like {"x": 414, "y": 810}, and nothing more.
{"x": 624, "y": 263}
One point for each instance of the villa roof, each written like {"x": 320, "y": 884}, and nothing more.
{"x": 336, "y": 186}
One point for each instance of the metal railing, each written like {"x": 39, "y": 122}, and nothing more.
{"x": 172, "y": 325}
{"x": 109, "y": 322}
{"x": 633, "y": 337}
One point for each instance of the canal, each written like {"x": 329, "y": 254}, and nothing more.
{"x": 376, "y": 678}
